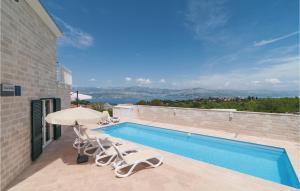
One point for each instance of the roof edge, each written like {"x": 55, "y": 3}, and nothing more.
{"x": 43, "y": 14}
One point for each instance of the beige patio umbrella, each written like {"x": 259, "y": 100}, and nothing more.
{"x": 75, "y": 116}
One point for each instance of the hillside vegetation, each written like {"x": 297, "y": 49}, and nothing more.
{"x": 271, "y": 105}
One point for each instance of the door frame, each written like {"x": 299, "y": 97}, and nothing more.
{"x": 51, "y": 128}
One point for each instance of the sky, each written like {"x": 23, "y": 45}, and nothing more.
{"x": 213, "y": 44}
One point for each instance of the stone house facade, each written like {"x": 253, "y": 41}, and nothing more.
{"x": 28, "y": 71}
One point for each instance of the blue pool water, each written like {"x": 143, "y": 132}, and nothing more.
{"x": 266, "y": 162}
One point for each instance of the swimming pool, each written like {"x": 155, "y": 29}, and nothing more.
{"x": 265, "y": 162}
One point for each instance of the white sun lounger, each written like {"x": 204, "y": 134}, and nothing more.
{"x": 115, "y": 119}
{"x": 89, "y": 144}
{"x": 86, "y": 143}
{"x": 108, "y": 155}
{"x": 105, "y": 138}
{"x": 79, "y": 140}
{"x": 129, "y": 162}
{"x": 108, "y": 119}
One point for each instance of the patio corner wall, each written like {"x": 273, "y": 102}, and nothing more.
{"x": 28, "y": 59}
{"x": 270, "y": 125}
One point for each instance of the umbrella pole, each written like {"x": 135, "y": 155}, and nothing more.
{"x": 77, "y": 99}
{"x": 80, "y": 158}
{"x": 78, "y": 147}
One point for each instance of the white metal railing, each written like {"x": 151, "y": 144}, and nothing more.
{"x": 63, "y": 75}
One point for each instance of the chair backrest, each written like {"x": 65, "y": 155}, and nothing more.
{"x": 85, "y": 134}
{"x": 78, "y": 133}
{"x": 120, "y": 156}
{"x": 106, "y": 114}
{"x": 100, "y": 145}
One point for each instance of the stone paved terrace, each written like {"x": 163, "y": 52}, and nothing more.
{"x": 56, "y": 169}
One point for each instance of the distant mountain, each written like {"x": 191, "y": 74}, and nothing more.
{"x": 133, "y": 94}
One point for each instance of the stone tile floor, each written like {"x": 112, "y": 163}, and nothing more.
{"x": 56, "y": 169}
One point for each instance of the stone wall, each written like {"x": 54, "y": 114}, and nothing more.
{"x": 28, "y": 59}
{"x": 271, "y": 125}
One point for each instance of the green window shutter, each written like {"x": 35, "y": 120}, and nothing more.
{"x": 36, "y": 129}
{"x": 57, "y": 107}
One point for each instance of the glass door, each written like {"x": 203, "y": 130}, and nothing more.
{"x": 47, "y": 127}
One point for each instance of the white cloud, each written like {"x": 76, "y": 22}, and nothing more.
{"x": 273, "y": 81}
{"x": 280, "y": 76}
{"x": 227, "y": 84}
{"x": 162, "y": 80}
{"x": 205, "y": 16}
{"x": 73, "y": 36}
{"x": 92, "y": 80}
{"x": 278, "y": 60}
{"x": 143, "y": 81}
{"x": 128, "y": 79}
{"x": 270, "y": 41}
{"x": 174, "y": 84}
{"x": 255, "y": 82}
{"x": 278, "y": 55}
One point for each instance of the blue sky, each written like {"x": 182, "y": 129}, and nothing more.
{"x": 214, "y": 44}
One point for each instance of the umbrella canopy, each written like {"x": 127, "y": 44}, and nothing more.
{"x": 71, "y": 116}
{"x": 80, "y": 96}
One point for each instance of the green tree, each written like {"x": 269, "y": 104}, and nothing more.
{"x": 142, "y": 102}
{"x": 156, "y": 102}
